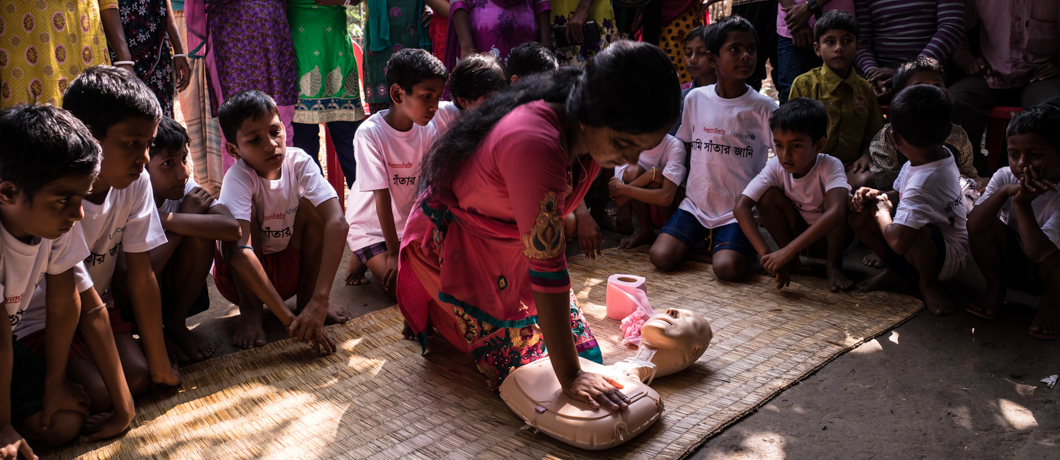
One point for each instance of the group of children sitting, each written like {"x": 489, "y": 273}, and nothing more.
{"x": 73, "y": 189}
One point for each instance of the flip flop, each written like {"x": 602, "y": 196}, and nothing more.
{"x": 980, "y": 313}
{"x": 1051, "y": 321}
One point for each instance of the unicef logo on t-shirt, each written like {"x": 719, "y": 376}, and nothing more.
{"x": 747, "y": 136}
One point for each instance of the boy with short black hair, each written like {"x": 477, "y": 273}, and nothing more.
{"x": 193, "y": 222}
{"x": 291, "y": 228}
{"x": 697, "y": 65}
{"x": 473, "y": 80}
{"x": 801, "y": 196}
{"x": 47, "y": 167}
{"x": 389, "y": 148}
{"x": 528, "y": 59}
{"x": 852, "y": 107}
{"x": 120, "y": 216}
{"x": 1015, "y": 227}
{"x": 926, "y": 239}
{"x": 725, "y": 127}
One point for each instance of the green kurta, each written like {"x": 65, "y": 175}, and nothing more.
{"x": 328, "y": 86}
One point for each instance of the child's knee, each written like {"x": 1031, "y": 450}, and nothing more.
{"x": 632, "y": 172}
{"x": 64, "y": 427}
{"x": 661, "y": 257}
{"x": 1049, "y": 270}
{"x": 729, "y": 268}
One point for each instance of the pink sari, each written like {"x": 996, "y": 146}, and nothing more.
{"x": 471, "y": 262}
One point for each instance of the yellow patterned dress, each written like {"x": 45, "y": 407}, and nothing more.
{"x": 45, "y": 44}
{"x": 673, "y": 40}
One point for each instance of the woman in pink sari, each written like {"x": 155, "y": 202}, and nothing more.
{"x": 482, "y": 256}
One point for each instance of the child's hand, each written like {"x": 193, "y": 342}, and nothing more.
{"x": 862, "y": 164}
{"x": 308, "y": 326}
{"x": 1011, "y": 189}
{"x": 616, "y": 188}
{"x": 67, "y": 396}
{"x": 106, "y": 425}
{"x": 883, "y": 203}
{"x": 981, "y": 183}
{"x": 861, "y": 196}
{"x": 776, "y": 261}
{"x": 1032, "y": 185}
{"x": 783, "y": 278}
{"x": 390, "y": 277}
{"x": 197, "y": 201}
{"x": 12, "y": 444}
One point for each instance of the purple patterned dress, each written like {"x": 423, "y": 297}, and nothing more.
{"x": 497, "y": 26}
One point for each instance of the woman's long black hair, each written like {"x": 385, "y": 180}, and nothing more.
{"x": 630, "y": 87}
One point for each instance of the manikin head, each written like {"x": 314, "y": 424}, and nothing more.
{"x": 678, "y": 337}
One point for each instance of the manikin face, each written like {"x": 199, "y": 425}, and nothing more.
{"x": 676, "y": 328}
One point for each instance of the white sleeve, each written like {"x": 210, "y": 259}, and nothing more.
{"x": 674, "y": 156}
{"x": 1000, "y": 179}
{"x": 684, "y": 133}
{"x": 143, "y": 231}
{"x": 833, "y": 174}
{"x": 237, "y": 192}
{"x": 371, "y": 162}
{"x": 766, "y": 178}
{"x": 913, "y": 210}
{"x": 311, "y": 182}
{"x": 82, "y": 279}
{"x": 1052, "y": 229}
{"x": 67, "y": 251}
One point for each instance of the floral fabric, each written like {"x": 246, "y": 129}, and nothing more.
{"x": 601, "y": 12}
{"x": 144, "y": 23}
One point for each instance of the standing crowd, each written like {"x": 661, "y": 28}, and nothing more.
{"x": 496, "y": 133}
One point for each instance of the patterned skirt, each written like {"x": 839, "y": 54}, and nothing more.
{"x": 144, "y": 23}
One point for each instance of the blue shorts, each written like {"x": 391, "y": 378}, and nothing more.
{"x": 900, "y": 265}
{"x": 685, "y": 227}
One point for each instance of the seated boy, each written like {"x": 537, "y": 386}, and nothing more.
{"x": 1014, "y": 229}
{"x": 48, "y": 164}
{"x": 389, "y": 148}
{"x": 801, "y": 196}
{"x": 528, "y": 59}
{"x": 473, "y": 80}
{"x": 852, "y": 107}
{"x": 193, "y": 221}
{"x": 291, "y": 228}
{"x": 697, "y": 66}
{"x": 926, "y": 239}
{"x": 120, "y": 216}
{"x": 725, "y": 127}
{"x": 648, "y": 189}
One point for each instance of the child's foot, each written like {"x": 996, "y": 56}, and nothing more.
{"x": 176, "y": 353}
{"x": 624, "y": 220}
{"x": 988, "y": 305}
{"x": 249, "y": 331}
{"x": 936, "y": 300}
{"x": 640, "y": 238}
{"x": 872, "y": 260}
{"x": 837, "y": 280}
{"x": 192, "y": 346}
{"x": 1046, "y": 324}
{"x": 355, "y": 272}
{"x": 337, "y": 315}
{"x": 883, "y": 280}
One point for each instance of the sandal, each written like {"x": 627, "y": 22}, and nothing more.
{"x": 1055, "y": 320}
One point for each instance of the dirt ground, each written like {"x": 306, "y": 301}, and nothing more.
{"x": 935, "y": 387}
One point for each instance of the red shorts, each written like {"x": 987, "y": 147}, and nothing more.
{"x": 36, "y": 343}
{"x": 282, "y": 268}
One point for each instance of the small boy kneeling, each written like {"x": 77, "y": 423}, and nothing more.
{"x": 801, "y": 196}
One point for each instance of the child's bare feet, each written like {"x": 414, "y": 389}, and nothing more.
{"x": 883, "y": 280}
{"x": 872, "y": 260}
{"x": 837, "y": 280}
{"x": 337, "y": 315}
{"x": 936, "y": 300}
{"x": 355, "y": 272}
{"x": 988, "y": 305}
{"x": 192, "y": 346}
{"x": 176, "y": 353}
{"x": 640, "y": 238}
{"x": 249, "y": 331}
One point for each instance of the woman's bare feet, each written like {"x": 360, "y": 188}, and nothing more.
{"x": 337, "y": 315}
{"x": 936, "y": 300}
{"x": 883, "y": 280}
{"x": 355, "y": 271}
{"x": 872, "y": 260}
{"x": 837, "y": 280}
{"x": 193, "y": 348}
{"x": 407, "y": 333}
{"x": 249, "y": 331}
{"x": 640, "y": 238}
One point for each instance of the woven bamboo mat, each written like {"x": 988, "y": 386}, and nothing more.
{"x": 378, "y": 398}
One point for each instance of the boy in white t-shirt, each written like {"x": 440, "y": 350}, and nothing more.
{"x": 1014, "y": 229}
{"x": 193, "y": 222}
{"x": 389, "y": 148}
{"x": 648, "y": 189}
{"x": 472, "y": 81}
{"x": 291, "y": 228}
{"x": 725, "y": 127}
{"x": 47, "y": 165}
{"x": 801, "y": 197}
{"x": 121, "y": 221}
{"x": 926, "y": 239}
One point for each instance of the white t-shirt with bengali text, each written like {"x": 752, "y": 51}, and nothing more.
{"x": 931, "y": 194}
{"x": 171, "y": 206}
{"x": 1046, "y": 207}
{"x": 807, "y": 192}
{"x": 22, "y": 270}
{"x": 275, "y": 202}
{"x": 387, "y": 159}
{"x": 730, "y": 141}
{"x": 669, "y": 154}
{"x": 444, "y": 117}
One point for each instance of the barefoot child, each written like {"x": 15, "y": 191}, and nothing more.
{"x": 48, "y": 164}
{"x": 291, "y": 228}
{"x": 1014, "y": 229}
{"x": 801, "y": 196}
{"x": 853, "y": 111}
{"x": 648, "y": 189}
{"x": 389, "y": 148}
{"x": 725, "y": 127}
{"x": 528, "y": 59}
{"x": 926, "y": 239}
{"x": 193, "y": 221}
{"x": 120, "y": 216}
{"x": 697, "y": 65}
